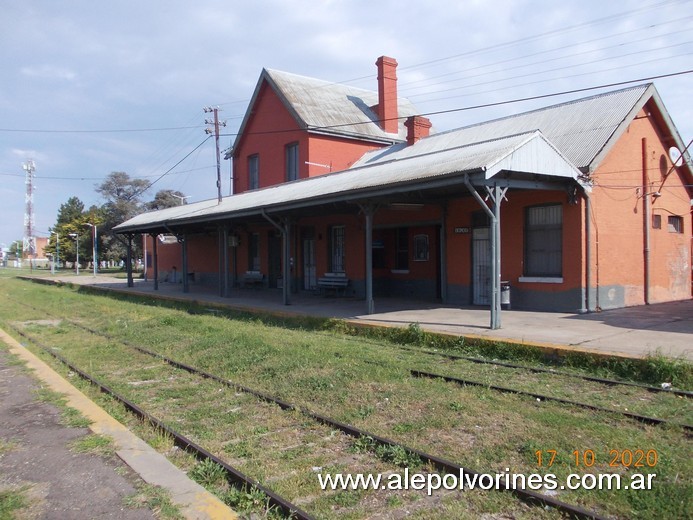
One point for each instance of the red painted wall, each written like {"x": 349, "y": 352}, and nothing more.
{"x": 271, "y": 128}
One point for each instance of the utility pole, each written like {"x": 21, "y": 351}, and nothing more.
{"x": 29, "y": 240}
{"x": 215, "y": 131}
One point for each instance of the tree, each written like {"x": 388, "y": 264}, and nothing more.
{"x": 166, "y": 199}
{"x": 122, "y": 196}
{"x": 71, "y": 219}
{"x": 70, "y": 211}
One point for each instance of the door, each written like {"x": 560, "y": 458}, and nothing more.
{"x": 310, "y": 279}
{"x": 481, "y": 265}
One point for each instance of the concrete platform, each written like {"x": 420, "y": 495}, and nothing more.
{"x": 194, "y": 501}
{"x": 665, "y": 329}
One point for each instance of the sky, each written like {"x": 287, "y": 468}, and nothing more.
{"x": 88, "y": 88}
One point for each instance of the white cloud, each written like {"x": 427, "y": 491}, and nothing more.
{"x": 131, "y": 64}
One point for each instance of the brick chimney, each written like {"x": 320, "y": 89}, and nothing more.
{"x": 387, "y": 94}
{"x": 417, "y": 127}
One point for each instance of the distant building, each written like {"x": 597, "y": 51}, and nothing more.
{"x": 573, "y": 207}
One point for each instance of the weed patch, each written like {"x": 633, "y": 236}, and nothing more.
{"x": 11, "y": 501}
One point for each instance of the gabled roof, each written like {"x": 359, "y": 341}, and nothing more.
{"x": 583, "y": 130}
{"x": 528, "y": 153}
{"x": 328, "y": 108}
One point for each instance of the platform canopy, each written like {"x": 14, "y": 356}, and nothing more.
{"x": 526, "y": 161}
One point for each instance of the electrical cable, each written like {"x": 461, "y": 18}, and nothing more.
{"x": 484, "y": 105}
{"x": 516, "y": 59}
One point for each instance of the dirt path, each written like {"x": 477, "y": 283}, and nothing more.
{"x": 35, "y": 456}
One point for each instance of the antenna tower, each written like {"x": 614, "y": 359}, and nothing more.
{"x": 29, "y": 248}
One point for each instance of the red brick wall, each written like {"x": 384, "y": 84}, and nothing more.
{"x": 618, "y": 212}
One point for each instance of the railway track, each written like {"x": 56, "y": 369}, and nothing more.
{"x": 542, "y": 397}
{"x": 438, "y": 463}
{"x": 494, "y": 362}
{"x": 561, "y": 373}
{"x": 233, "y": 474}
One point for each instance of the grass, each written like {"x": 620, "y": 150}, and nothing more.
{"x": 68, "y": 415}
{"x": 7, "y": 446}
{"x": 94, "y": 444}
{"x": 156, "y": 499}
{"x": 12, "y": 502}
{"x": 363, "y": 380}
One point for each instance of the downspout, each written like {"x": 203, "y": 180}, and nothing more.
{"x": 646, "y": 221}
{"x": 588, "y": 249}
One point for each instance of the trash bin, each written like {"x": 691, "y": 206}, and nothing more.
{"x": 505, "y": 295}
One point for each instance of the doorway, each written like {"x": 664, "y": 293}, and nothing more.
{"x": 310, "y": 277}
{"x": 481, "y": 266}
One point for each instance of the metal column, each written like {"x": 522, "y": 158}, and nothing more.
{"x": 128, "y": 261}
{"x": 369, "y": 210}
{"x": 496, "y": 194}
{"x": 496, "y": 254}
{"x": 286, "y": 271}
{"x": 184, "y": 247}
{"x": 443, "y": 254}
{"x": 225, "y": 259}
{"x": 284, "y": 229}
{"x": 155, "y": 258}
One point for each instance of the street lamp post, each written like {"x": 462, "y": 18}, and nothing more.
{"x": 19, "y": 252}
{"x": 76, "y": 237}
{"x": 57, "y": 249}
{"x": 56, "y": 257}
{"x": 93, "y": 249}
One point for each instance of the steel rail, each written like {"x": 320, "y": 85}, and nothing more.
{"x": 439, "y": 463}
{"x": 180, "y": 440}
{"x": 472, "y": 359}
{"x": 542, "y": 397}
{"x": 604, "y": 381}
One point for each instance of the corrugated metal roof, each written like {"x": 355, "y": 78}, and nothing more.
{"x": 336, "y": 108}
{"x": 579, "y": 129}
{"x": 528, "y": 152}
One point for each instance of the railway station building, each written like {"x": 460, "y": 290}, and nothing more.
{"x": 575, "y": 207}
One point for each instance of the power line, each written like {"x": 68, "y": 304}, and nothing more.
{"x": 52, "y": 178}
{"x": 102, "y": 131}
{"x": 517, "y": 85}
{"x": 517, "y": 59}
{"x": 137, "y": 193}
{"x": 487, "y": 105}
{"x": 498, "y": 45}
{"x": 539, "y": 36}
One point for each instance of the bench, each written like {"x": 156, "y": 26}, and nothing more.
{"x": 252, "y": 278}
{"x": 333, "y": 281}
